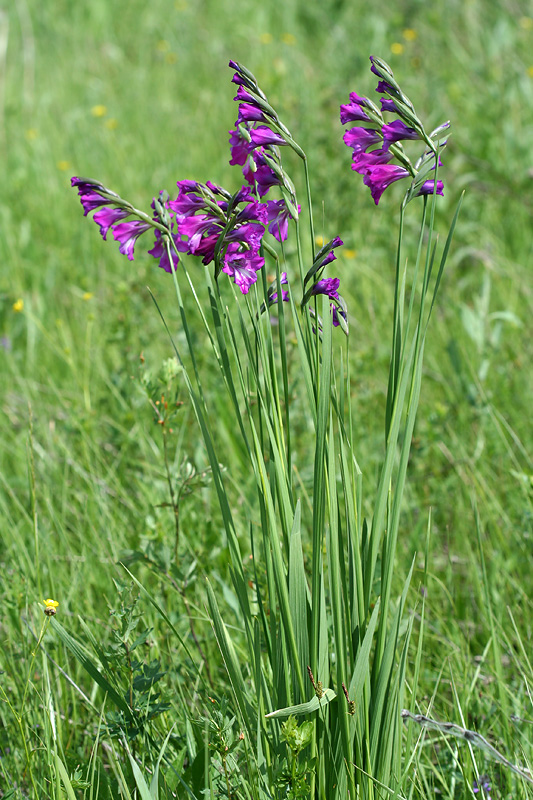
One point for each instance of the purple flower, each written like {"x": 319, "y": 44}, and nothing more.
{"x": 92, "y": 201}
{"x": 244, "y": 96}
{"x": 278, "y": 216}
{"x": 240, "y": 147}
{"x": 263, "y": 136}
{"x": 187, "y": 203}
{"x": 384, "y": 88}
{"x": 127, "y": 234}
{"x": 107, "y": 217}
{"x": 90, "y": 193}
{"x": 232, "y": 227}
{"x": 362, "y": 161}
{"x": 206, "y": 248}
{"x": 327, "y": 286}
{"x": 242, "y": 266}
{"x": 244, "y": 195}
{"x": 237, "y": 77}
{"x": 360, "y": 139}
{"x": 249, "y": 234}
{"x": 374, "y": 164}
{"x": 336, "y": 242}
{"x": 253, "y": 210}
{"x": 428, "y": 187}
{"x": 388, "y": 105}
{"x": 265, "y": 178}
{"x": 262, "y": 176}
{"x": 353, "y": 111}
{"x": 380, "y": 178}
{"x": 240, "y": 77}
{"x": 159, "y": 251}
{"x": 250, "y": 113}
{"x": 194, "y": 228}
{"x": 397, "y": 130}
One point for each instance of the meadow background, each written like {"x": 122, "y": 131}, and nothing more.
{"x": 138, "y": 95}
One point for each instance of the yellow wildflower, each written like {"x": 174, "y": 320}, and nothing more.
{"x": 530, "y": 72}
{"x": 111, "y": 124}
{"x": 265, "y": 38}
{"x": 18, "y": 305}
{"x": 99, "y": 111}
{"x": 87, "y": 295}
{"x": 397, "y": 48}
{"x": 31, "y": 134}
{"x": 526, "y": 23}
{"x": 63, "y": 165}
{"x": 50, "y": 607}
{"x": 288, "y": 38}
{"x": 409, "y": 34}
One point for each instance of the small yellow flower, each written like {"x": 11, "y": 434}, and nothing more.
{"x": 530, "y": 72}
{"x": 162, "y": 46}
{"x": 319, "y": 240}
{"x": 171, "y": 58}
{"x": 111, "y": 124}
{"x": 18, "y": 305}
{"x": 409, "y": 34}
{"x": 87, "y": 295}
{"x": 63, "y": 165}
{"x": 396, "y": 48}
{"x": 288, "y": 38}
{"x": 350, "y": 253}
{"x": 265, "y": 38}
{"x": 99, "y": 111}
{"x": 526, "y": 23}
{"x": 50, "y": 607}
{"x": 31, "y": 134}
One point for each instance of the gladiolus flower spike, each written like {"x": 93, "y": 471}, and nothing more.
{"x": 374, "y": 147}
{"x": 228, "y": 230}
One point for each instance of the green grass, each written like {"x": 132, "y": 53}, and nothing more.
{"x": 82, "y": 478}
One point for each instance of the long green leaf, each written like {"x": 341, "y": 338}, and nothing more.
{"x": 304, "y": 708}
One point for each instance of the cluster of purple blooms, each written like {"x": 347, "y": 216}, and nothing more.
{"x": 376, "y": 143}
{"x": 207, "y": 221}
{"x": 229, "y": 229}
{"x": 204, "y": 221}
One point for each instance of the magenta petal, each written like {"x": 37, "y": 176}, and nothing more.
{"x": 107, "y": 217}
{"x": 263, "y": 135}
{"x": 127, "y": 234}
{"x": 242, "y": 266}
